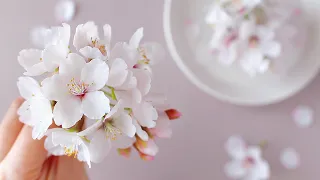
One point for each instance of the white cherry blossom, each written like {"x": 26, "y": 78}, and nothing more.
{"x": 77, "y": 90}
{"x": 36, "y": 111}
{"x": 247, "y": 162}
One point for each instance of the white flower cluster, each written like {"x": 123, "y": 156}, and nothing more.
{"x": 243, "y": 32}
{"x": 93, "y": 97}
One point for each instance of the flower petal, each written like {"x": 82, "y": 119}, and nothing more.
{"x": 67, "y": 112}
{"x": 236, "y": 147}
{"x": 163, "y": 128}
{"x": 53, "y": 55}
{"x": 29, "y": 60}
{"x": 28, "y": 87}
{"x": 144, "y": 81}
{"x": 136, "y": 38}
{"x": 145, "y": 113}
{"x": 95, "y": 73}
{"x": 41, "y": 111}
{"x": 116, "y": 109}
{"x": 55, "y": 150}
{"x": 91, "y": 129}
{"x": 24, "y": 113}
{"x": 290, "y": 158}
{"x": 107, "y": 35}
{"x": 260, "y": 171}
{"x": 235, "y": 170}
{"x": 65, "y": 10}
{"x": 272, "y": 49}
{"x": 154, "y": 52}
{"x": 254, "y": 152}
{"x": 123, "y": 141}
{"x": 140, "y": 132}
{"x": 84, "y": 35}
{"x": 99, "y": 147}
{"x": 84, "y": 154}
{"x": 91, "y": 52}
{"x": 72, "y": 66}
{"x": 173, "y": 114}
{"x": 95, "y": 105}
{"x": 55, "y": 87}
{"x": 147, "y": 147}
{"x": 124, "y": 123}
{"x": 118, "y": 73}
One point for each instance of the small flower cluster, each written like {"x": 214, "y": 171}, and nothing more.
{"x": 244, "y": 32}
{"x": 93, "y": 97}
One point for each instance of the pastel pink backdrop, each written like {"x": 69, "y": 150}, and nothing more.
{"x": 195, "y": 151}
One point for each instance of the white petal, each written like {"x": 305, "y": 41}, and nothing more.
{"x": 260, "y": 171}
{"x": 290, "y": 158}
{"x": 123, "y": 142}
{"x": 41, "y": 111}
{"x": 84, "y": 154}
{"x": 163, "y": 128}
{"x": 99, "y": 147}
{"x": 51, "y": 148}
{"x": 116, "y": 109}
{"x": 67, "y": 112}
{"x": 95, "y": 105}
{"x": 65, "y": 10}
{"x": 55, "y": 87}
{"x": 130, "y": 82}
{"x": 91, "y": 129}
{"x": 236, "y": 147}
{"x": 118, "y": 73}
{"x": 272, "y": 49}
{"x": 143, "y": 81}
{"x": 64, "y": 33}
{"x": 42, "y": 36}
{"x": 95, "y": 73}
{"x": 247, "y": 29}
{"x": 154, "y": 52}
{"x": 30, "y": 59}
{"x": 91, "y": 52}
{"x": 303, "y": 116}
{"x": 136, "y": 38}
{"x": 145, "y": 113}
{"x": 84, "y": 34}
{"x": 140, "y": 132}
{"x": 72, "y": 66}
{"x": 36, "y": 70}
{"x": 130, "y": 97}
{"x": 123, "y": 51}
{"x": 124, "y": 123}
{"x": 107, "y": 35}
{"x": 28, "y": 87}
{"x": 24, "y": 113}
{"x": 53, "y": 55}
{"x": 254, "y": 152}
{"x": 64, "y": 138}
{"x": 235, "y": 169}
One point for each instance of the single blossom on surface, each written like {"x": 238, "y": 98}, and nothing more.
{"x": 247, "y": 162}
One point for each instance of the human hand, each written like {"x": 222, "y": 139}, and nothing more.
{"x": 22, "y": 158}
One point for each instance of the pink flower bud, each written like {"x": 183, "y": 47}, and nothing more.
{"x": 173, "y": 114}
{"x": 125, "y": 152}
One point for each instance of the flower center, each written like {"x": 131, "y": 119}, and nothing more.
{"x": 77, "y": 88}
{"x": 144, "y": 59}
{"x": 248, "y": 162}
{"x": 112, "y": 131}
{"x": 71, "y": 151}
{"x": 96, "y": 44}
{"x": 253, "y": 41}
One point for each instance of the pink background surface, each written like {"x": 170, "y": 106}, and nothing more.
{"x": 196, "y": 150}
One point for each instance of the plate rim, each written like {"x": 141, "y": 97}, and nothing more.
{"x": 205, "y": 88}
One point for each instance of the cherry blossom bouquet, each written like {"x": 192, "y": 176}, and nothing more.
{"x": 245, "y": 31}
{"x": 93, "y": 97}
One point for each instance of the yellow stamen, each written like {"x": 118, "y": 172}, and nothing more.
{"x": 71, "y": 151}
{"x": 112, "y": 131}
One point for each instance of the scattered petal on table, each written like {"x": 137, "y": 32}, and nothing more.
{"x": 303, "y": 116}
{"x": 290, "y": 158}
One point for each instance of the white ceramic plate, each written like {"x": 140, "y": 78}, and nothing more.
{"x": 231, "y": 85}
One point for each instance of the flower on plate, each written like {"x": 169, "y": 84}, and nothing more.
{"x": 36, "y": 111}
{"x": 247, "y": 162}
{"x": 260, "y": 46}
{"x": 77, "y": 90}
